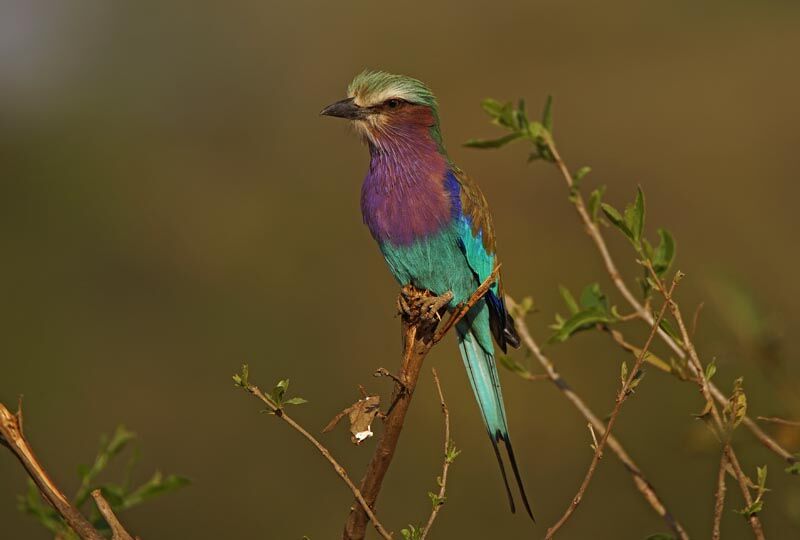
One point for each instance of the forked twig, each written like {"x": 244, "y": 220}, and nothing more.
{"x": 594, "y": 232}
{"x": 280, "y": 413}
{"x": 12, "y": 437}
{"x": 440, "y": 498}
{"x": 118, "y": 532}
{"x": 622, "y": 395}
{"x": 642, "y": 484}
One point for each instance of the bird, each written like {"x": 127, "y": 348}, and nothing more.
{"x": 432, "y": 224}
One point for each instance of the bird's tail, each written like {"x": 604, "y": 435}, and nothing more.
{"x": 485, "y": 382}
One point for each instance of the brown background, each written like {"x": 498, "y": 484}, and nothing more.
{"x": 172, "y": 206}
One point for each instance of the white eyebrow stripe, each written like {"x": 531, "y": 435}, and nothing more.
{"x": 383, "y": 95}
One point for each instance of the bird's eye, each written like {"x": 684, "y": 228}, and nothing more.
{"x": 393, "y": 103}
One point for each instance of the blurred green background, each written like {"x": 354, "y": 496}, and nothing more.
{"x": 172, "y": 207}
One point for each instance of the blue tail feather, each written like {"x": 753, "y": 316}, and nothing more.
{"x": 485, "y": 383}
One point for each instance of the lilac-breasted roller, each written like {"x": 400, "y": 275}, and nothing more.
{"x": 433, "y": 226}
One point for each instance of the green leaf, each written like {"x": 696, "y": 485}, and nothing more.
{"x": 493, "y": 143}
{"x": 592, "y": 308}
{"x": 667, "y": 327}
{"x": 593, "y": 297}
{"x": 580, "y": 174}
{"x": 279, "y": 391}
{"x": 664, "y": 254}
{"x": 157, "y": 485}
{"x": 510, "y": 364}
{"x": 32, "y": 504}
{"x": 634, "y": 217}
{"x": 623, "y": 374}
{"x": 521, "y": 116}
{"x": 109, "y": 448}
{"x": 295, "y": 401}
{"x": 493, "y": 107}
{"x": 594, "y": 202}
{"x": 761, "y": 474}
{"x": 711, "y": 369}
{"x": 547, "y": 114}
{"x": 572, "y": 305}
{"x": 794, "y": 468}
{"x": 411, "y": 533}
{"x": 616, "y": 219}
{"x": 752, "y": 509}
{"x": 243, "y": 379}
{"x": 435, "y": 499}
{"x": 583, "y": 320}
{"x": 452, "y": 452}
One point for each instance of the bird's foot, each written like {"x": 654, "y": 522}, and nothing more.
{"x": 421, "y": 305}
{"x": 433, "y": 306}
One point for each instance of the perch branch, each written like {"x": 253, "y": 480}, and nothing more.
{"x": 463, "y": 309}
{"x": 445, "y": 462}
{"x": 624, "y": 391}
{"x": 12, "y": 437}
{"x": 596, "y": 235}
{"x": 280, "y": 413}
{"x": 642, "y": 484}
{"x": 419, "y": 330}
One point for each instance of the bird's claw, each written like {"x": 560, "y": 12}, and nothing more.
{"x": 416, "y": 304}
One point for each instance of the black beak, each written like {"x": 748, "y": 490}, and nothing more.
{"x": 345, "y": 108}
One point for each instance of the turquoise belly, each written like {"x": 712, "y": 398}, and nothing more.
{"x": 438, "y": 264}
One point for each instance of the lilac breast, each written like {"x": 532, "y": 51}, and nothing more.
{"x": 403, "y": 197}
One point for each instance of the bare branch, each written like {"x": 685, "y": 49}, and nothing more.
{"x": 753, "y": 519}
{"x": 280, "y": 413}
{"x": 418, "y": 325}
{"x": 705, "y": 389}
{"x": 779, "y": 421}
{"x": 440, "y": 498}
{"x": 642, "y": 484}
{"x": 12, "y": 437}
{"x": 118, "y": 532}
{"x": 596, "y": 235}
{"x": 719, "y": 499}
{"x": 622, "y": 395}
{"x": 462, "y": 310}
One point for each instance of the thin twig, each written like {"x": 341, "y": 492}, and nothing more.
{"x": 705, "y": 388}
{"x": 596, "y": 235}
{"x": 280, "y": 413}
{"x": 12, "y": 437}
{"x": 118, "y": 532}
{"x": 719, "y": 499}
{"x": 753, "y": 519}
{"x": 780, "y": 421}
{"x": 650, "y": 358}
{"x": 642, "y": 484}
{"x": 622, "y": 395}
{"x": 440, "y": 498}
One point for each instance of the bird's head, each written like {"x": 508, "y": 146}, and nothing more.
{"x": 384, "y": 107}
